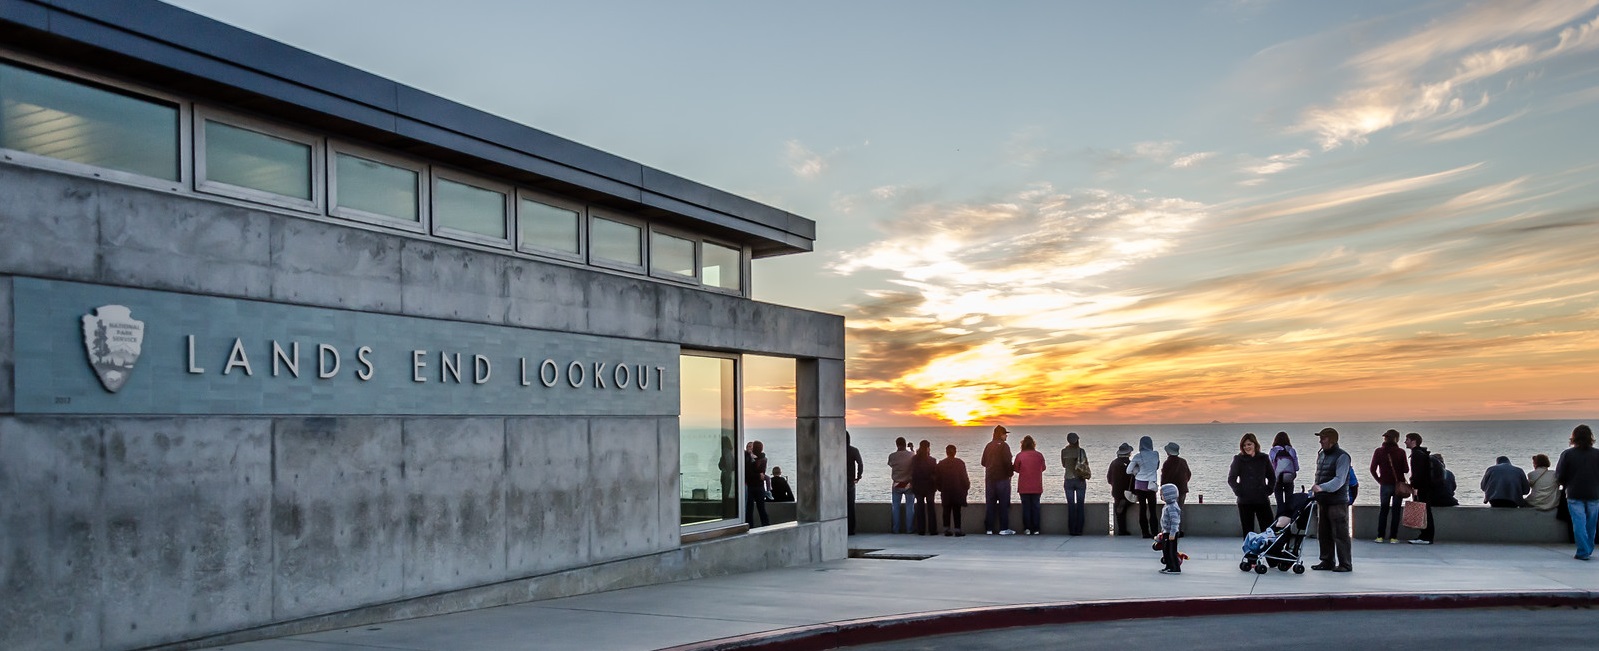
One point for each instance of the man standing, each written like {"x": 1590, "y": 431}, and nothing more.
{"x": 1504, "y": 485}
{"x": 1121, "y": 484}
{"x": 899, "y": 463}
{"x": 997, "y": 471}
{"x": 1332, "y": 500}
{"x": 854, "y": 467}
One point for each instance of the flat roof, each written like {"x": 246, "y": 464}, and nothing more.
{"x": 167, "y": 47}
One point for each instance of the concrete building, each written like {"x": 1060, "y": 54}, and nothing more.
{"x": 287, "y": 346}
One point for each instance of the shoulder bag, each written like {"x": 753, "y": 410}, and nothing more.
{"x": 1402, "y": 488}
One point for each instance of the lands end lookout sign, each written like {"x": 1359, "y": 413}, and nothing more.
{"x": 217, "y": 356}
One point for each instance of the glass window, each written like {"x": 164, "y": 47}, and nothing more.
{"x": 377, "y": 188}
{"x": 616, "y": 241}
{"x": 48, "y": 116}
{"x": 671, "y": 254}
{"x": 723, "y": 266}
{"x": 257, "y": 161}
{"x": 708, "y": 447}
{"x": 549, "y": 227}
{"x": 469, "y": 209}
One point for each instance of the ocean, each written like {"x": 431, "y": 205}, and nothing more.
{"x": 1468, "y": 448}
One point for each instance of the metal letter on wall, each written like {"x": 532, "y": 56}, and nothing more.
{"x": 178, "y": 336}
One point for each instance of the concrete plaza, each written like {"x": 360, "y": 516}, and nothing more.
{"x": 975, "y": 571}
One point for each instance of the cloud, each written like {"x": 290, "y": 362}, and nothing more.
{"x": 805, "y": 163}
{"x": 1190, "y": 160}
{"x": 1434, "y": 72}
{"x": 1277, "y": 163}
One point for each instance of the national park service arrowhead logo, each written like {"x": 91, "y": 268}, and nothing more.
{"x": 113, "y": 340}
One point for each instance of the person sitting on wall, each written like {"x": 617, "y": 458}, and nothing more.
{"x": 1504, "y": 485}
{"x": 1446, "y": 492}
{"x": 781, "y": 491}
{"x": 1545, "y": 495}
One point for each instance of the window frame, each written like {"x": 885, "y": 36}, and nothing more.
{"x": 423, "y": 187}
{"x": 743, "y": 267}
{"x": 579, "y": 207}
{"x": 643, "y": 243}
{"x": 239, "y": 121}
{"x": 185, "y": 110}
{"x": 738, "y": 444}
{"x": 508, "y": 206}
{"x": 694, "y": 243}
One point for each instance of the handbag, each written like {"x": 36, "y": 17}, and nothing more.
{"x": 1415, "y": 515}
{"x": 1083, "y": 471}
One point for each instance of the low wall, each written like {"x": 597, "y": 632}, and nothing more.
{"x": 1455, "y": 524}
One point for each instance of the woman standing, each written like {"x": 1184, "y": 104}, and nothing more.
{"x": 1545, "y": 495}
{"x": 1388, "y": 466}
{"x": 1030, "y": 485}
{"x": 1145, "y": 469}
{"x": 1578, "y": 473}
{"x": 924, "y": 480}
{"x": 953, "y": 484}
{"x": 755, "y": 483}
{"x": 1284, "y": 466}
{"x": 1251, "y": 480}
{"x": 1075, "y": 461}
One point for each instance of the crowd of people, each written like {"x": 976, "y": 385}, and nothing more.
{"x": 1411, "y": 482}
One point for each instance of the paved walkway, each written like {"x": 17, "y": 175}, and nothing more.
{"x": 970, "y": 572}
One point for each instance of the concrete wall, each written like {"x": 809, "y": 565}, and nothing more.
{"x": 124, "y": 532}
{"x": 1476, "y": 524}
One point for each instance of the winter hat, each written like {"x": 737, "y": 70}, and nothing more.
{"x": 1168, "y": 493}
{"x": 1171, "y": 448}
{"x": 1124, "y": 451}
{"x": 1072, "y": 438}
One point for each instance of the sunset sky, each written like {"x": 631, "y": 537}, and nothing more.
{"x": 1095, "y": 212}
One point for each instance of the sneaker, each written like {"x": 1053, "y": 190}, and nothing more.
{"x": 1380, "y": 539}
{"x": 958, "y": 534}
{"x": 1393, "y": 541}
{"x": 1037, "y": 533}
{"x": 1008, "y": 532}
{"x": 1583, "y": 558}
{"x": 948, "y": 532}
{"x": 988, "y": 533}
{"x": 1170, "y": 571}
{"x": 1419, "y": 541}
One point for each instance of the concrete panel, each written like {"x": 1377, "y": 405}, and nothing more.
{"x": 623, "y": 307}
{"x": 7, "y": 354}
{"x": 624, "y": 513}
{"x": 819, "y": 387}
{"x": 160, "y": 241}
{"x": 322, "y": 264}
{"x": 187, "y": 505}
{"x": 834, "y": 539}
{"x": 444, "y": 281}
{"x": 546, "y": 296}
{"x": 48, "y": 224}
{"x": 338, "y": 518}
{"x": 547, "y": 494}
{"x": 668, "y": 462}
{"x": 51, "y": 533}
{"x": 822, "y": 491}
{"x": 455, "y": 509}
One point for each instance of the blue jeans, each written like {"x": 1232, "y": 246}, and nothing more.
{"x": 1076, "y": 489}
{"x": 996, "y": 495}
{"x": 1392, "y": 510}
{"x": 1032, "y": 514}
{"x": 1584, "y": 518}
{"x": 899, "y": 513}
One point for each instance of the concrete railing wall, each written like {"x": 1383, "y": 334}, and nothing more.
{"x": 1455, "y": 524}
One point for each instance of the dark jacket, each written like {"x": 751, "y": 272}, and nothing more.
{"x": 1578, "y": 472}
{"x": 1421, "y": 473}
{"x": 953, "y": 482}
{"x": 1175, "y": 472}
{"x": 754, "y": 467}
{"x": 1504, "y": 481}
{"x": 1251, "y": 478}
{"x": 1388, "y": 464}
{"x": 924, "y": 475}
{"x": 997, "y": 461}
{"x": 781, "y": 491}
{"x": 1120, "y": 482}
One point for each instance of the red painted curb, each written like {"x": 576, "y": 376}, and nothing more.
{"x": 901, "y": 627}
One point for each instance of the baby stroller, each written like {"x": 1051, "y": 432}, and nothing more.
{"x": 1278, "y": 546}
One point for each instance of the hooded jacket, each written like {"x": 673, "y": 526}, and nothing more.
{"x": 1171, "y": 518}
{"x": 1145, "y": 466}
